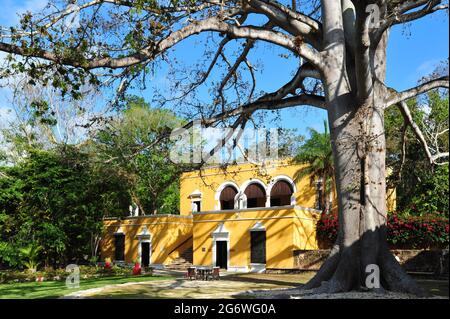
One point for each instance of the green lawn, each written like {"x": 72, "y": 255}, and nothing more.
{"x": 55, "y": 289}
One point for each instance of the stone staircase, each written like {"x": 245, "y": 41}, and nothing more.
{"x": 182, "y": 262}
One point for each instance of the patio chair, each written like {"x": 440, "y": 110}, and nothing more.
{"x": 215, "y": 273}
{"x": 201, "y": 274}
{"x": 191, "y": 273}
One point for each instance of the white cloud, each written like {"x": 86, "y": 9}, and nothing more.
{"x": 424, "y": 69}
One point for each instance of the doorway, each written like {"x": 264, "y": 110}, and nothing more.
{"x": 145, "y": 254}
{"x": 221, "y": 254}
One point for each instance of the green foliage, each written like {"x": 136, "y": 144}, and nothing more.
{"x": 289, "y": 142}
{"x": 30, "y": 255}
{"x": 318, "y": 154}
{"x": 55, "y": 199}
{"x": 431, "y": 194}
{"x": 421, "y": 188}
{"x": 134, "y": 145}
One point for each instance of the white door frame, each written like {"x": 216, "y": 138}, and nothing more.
{"x": 220, "y": 234}
{"x": 144, "y": 237}
{"x": 145, "y": 240}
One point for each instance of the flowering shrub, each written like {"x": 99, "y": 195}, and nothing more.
{"x": 327, "y": 228}
{"x": 417, "y": 231}
{"x": 86, "y": 272}
{"x": 408, "y": 232}
{"x": 137, "y": 269}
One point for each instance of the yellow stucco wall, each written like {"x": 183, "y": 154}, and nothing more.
{"x": 305, "y": 229}
{"x": 283, "y": 235}
{"x": 170, "y": 236}
{"x": 287, "y": 228}
{"x": 209, "y": 180}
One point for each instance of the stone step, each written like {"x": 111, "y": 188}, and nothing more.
{"x": 183, "y": 262}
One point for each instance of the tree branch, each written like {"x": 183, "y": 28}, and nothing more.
{"x": 433, "y": 159}
{"x": 399, "y": 15}
{"x": 150, "y": 52}
{"x": 293, "y": 22}
{"x": 396, "y": 97}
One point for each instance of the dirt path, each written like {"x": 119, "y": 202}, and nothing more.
{"x": 178, "y": 288}
{"x": 234, "y": 286}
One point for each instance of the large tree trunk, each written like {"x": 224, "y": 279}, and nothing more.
{"x": 358, "y": 142}
{"x": 359, "y": 148}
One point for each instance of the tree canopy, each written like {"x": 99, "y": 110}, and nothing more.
{"x": 340, "y": 49}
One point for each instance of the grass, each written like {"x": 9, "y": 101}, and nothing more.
{"x": 55, "y": 289}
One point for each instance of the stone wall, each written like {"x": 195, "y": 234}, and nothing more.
{"x": 418, "y": 261}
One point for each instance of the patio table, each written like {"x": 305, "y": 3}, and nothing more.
{"x": 204, "y": 272}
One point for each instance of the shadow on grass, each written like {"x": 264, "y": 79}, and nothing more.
{"x": 55, "y": 289}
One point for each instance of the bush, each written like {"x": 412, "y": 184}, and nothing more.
{"x": 11, "y": 276}
{"x": 417, "y": 231}
{"x": 406, "y": 232}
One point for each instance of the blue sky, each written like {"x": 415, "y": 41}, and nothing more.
{"x": 413, "y": 52}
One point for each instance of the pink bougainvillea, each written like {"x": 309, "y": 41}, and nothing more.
{"x": 430, "y": 231}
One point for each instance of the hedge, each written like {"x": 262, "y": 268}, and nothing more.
{"x": 12, "y": 276}
{"x": 411, "y": 232}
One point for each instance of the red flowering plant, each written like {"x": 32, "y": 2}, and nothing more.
{"x": 137, "y": 270}
{"x": 428, "y": 231}
{"x": 108, "y": 265}
{"x": 403, "y": 232}
{"x": 327, "y": 228}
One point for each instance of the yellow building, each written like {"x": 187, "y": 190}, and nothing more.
{"x": 242, "y": 217}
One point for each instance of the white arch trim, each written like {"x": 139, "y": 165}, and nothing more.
{"x": 286, "y": 179}
{"x": 244, "y": 187}
{"x": 219, "y": 191}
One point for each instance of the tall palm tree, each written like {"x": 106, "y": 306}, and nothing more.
{"x": 317, "y": 153}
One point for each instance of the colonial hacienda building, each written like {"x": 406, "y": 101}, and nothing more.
{"x": 243, "y": 217}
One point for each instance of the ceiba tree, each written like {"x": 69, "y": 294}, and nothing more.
{"x": 340, "y": 46}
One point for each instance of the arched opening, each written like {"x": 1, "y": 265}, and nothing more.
{"x": 281, "y": 194}
{"x": 227, "y": 198}
{"x": 256, "y": 196}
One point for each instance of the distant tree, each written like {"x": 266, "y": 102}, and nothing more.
{"x": 289, "y": 142}
{"x": 132, "y": 144}
{"x": 39, "y": 117}
{"x": 56, "y": 199}
{"x": 421, "y": 188}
